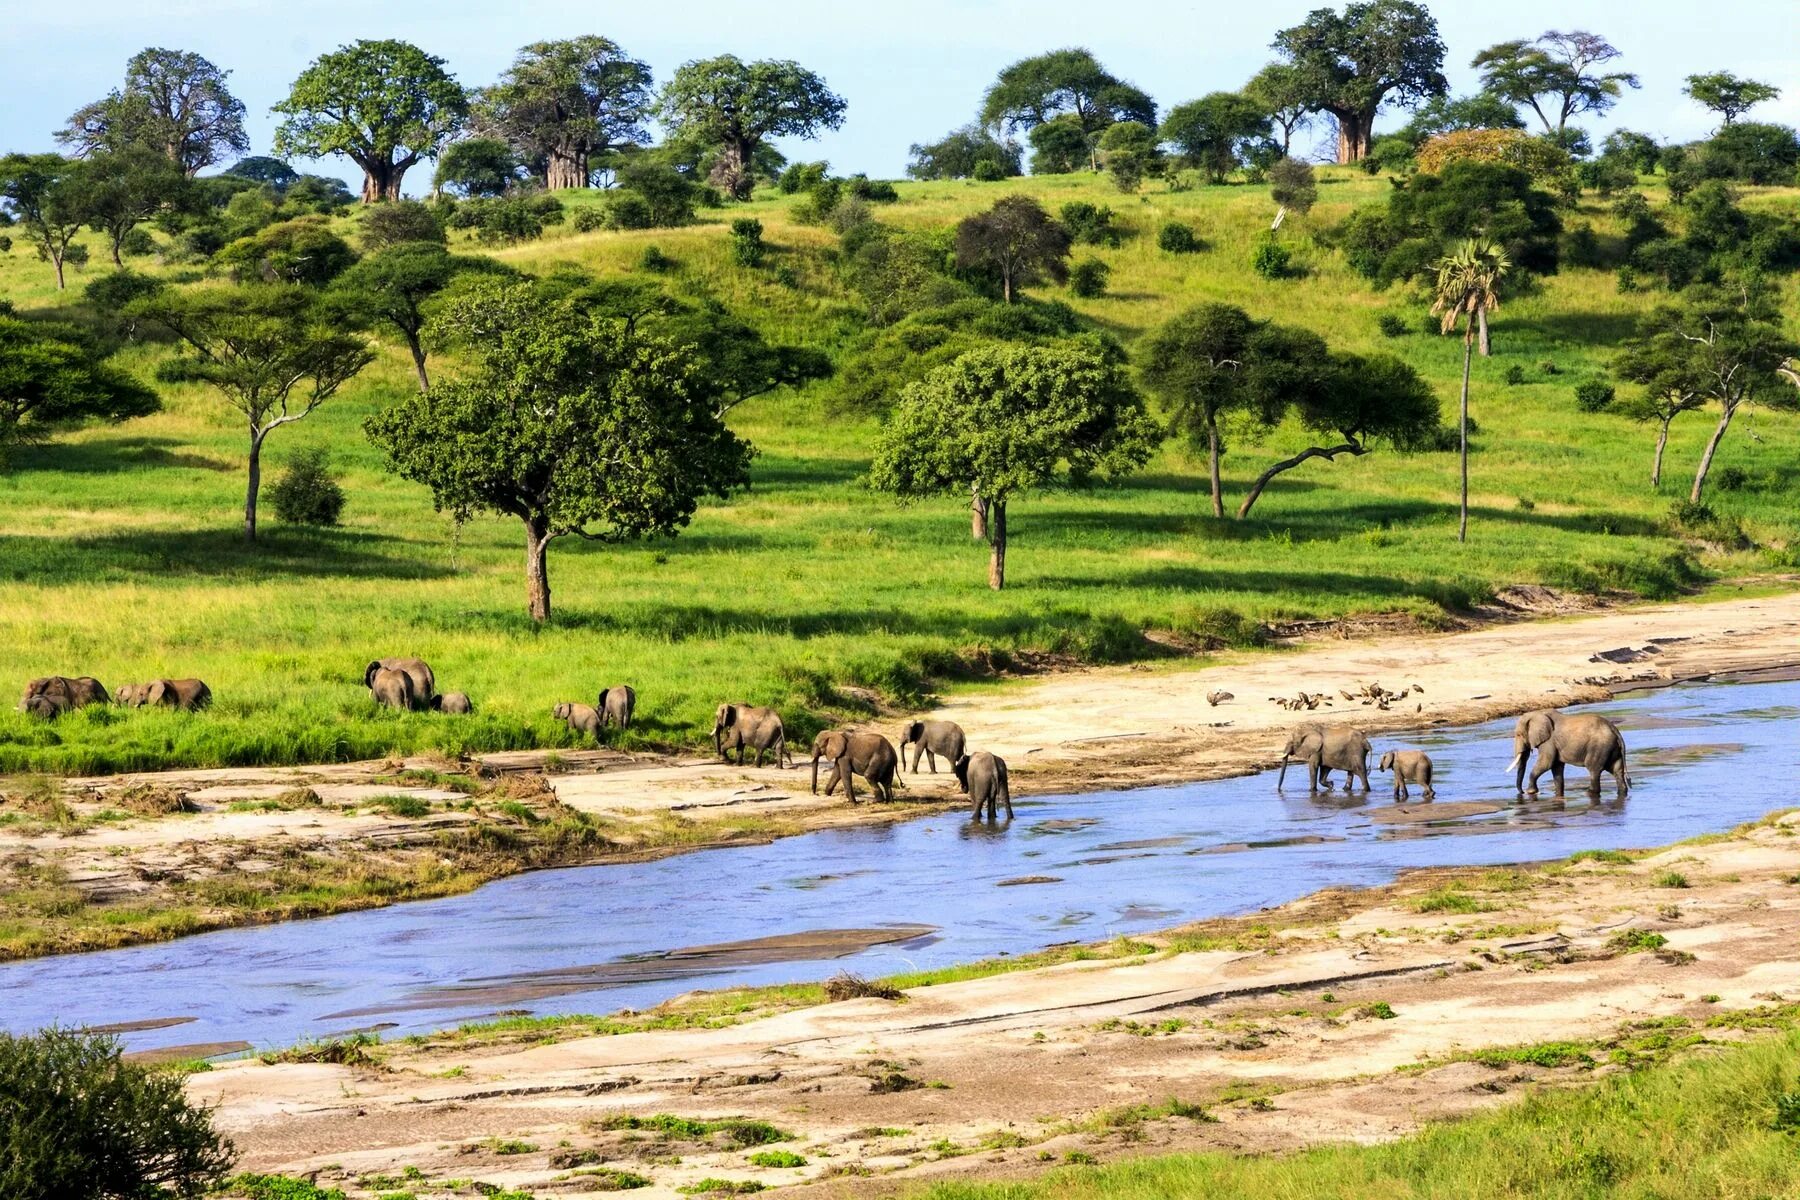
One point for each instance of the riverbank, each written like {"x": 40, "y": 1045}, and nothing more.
{"x": 1349, "y": 1016}
{"x": 116, "y": 860}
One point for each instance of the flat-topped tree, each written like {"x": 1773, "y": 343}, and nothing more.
{"x": 1557, "y": 75}
{"x": 124, "y": 188}
{"x": 1005, "y": 420}
{"x": 734, "y": 107}
{"x": 572, "y": 422}
{"x": 173, "y": 101}
{"x": 1216, "y": 133}
{"x": 52, "y": 376}
{"x": 1281, "y": 93}
{"x": 563, "y": 103}
{"x": 383, "y": 104}
{"x": 1351, "y": 63}
{"x": 394, "y": 288}
{"x": 49, "y": 197}
{"x": 1068, "y": 82}
{"x": 1731, "y": 96}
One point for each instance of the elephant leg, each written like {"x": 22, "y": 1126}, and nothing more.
{"x": 1556, "y": 772}
{"x": 1537, "y": 772}
{"x": 930, "y": 758}
{"x": 1399, "y": 789}
{"x": 1593, "y": 787}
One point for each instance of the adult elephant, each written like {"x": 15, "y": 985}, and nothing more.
{"x": 616, "y": 705}
{"x": 748, "y": 726}
{"x": 851, "y": 753}
{"x": 1324, "y": 749}
{"x": 424, "y": 683}
{"x": 1563, "y": 739}
{"x": 65, "y": 692}
{"x": 983, "y": 776}
{"x": 929, "y": 739}
{"x": 393, "y": 688}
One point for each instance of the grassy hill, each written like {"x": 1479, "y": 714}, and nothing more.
{"x": 120, "y": 553}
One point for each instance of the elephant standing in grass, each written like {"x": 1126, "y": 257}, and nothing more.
{"x": 1324, "y": 749}
{"x": 184, "y": 694}
{"x": 582, "y": 718}
{"x": 1408, "y": 766}
{"x": 983, "y": 776}
{"x": 455, "y": 703}
{"x": 393, "y": 688}
{"x": 850, "y": 753}
{"x": 747, "y": 726}
{"x": 930, "y": 739}
{"x": 1561, "y": 739}
{"x": 423, "y": 682}
{"x": 65, "y": 692}
{"x": 616, "y": 704}
{"x": 44, "y": 708}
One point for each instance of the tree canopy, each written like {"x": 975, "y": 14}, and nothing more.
{"x": 563, "y": 103}
{"x": 733, "y": 107}
{"x": 1016, "y": 243}
{"x": 395, "y": 286}
{"x": 1280, "y": 90}
{"x": 53, "y": 376}
{"x": 1557, "y": 75}
{"x": 1217, "y": 133}
{"x": 383, "y": 104}
{"x": 1373, "y": 53}
{"x": 122, "y": 189}
{"x": 1729, "y": 95}
{"x": 1037, "y": 90}
{"x": 173, "y": 101}
{"x": 48, "y": 196}
{"x": 478, "y": 166}
{"x": 960, "y": 155}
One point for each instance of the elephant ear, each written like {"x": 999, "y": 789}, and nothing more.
{"x": 728, "y": 715}
{"x": 1539, "y": 728}
{"x": 156, "y": 692}
{"x": 369, "y": 674}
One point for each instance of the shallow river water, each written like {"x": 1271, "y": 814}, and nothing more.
{"x": 940, "y": 889}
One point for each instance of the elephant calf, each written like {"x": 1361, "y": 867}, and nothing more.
{"x": 44, "y": 708}
{"x": 616, "y": 705}
{"x": 1324, "y": 749}
{"x": 1408, "y": 766}
{"x": 456, "y": 703}
{"x": 394, "y": 688}
{"x": 580, "y": 717}
{"x": 747, "y": 726}
{"x": 184, "y": 694}
{"x": 867, "y": 754}
{"x": 930, "y": 739}
{"x": 65, "y": 692}
{"x": 983, "y": 776}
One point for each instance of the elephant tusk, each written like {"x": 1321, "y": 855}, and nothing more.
{"x": 1514, "y": 764}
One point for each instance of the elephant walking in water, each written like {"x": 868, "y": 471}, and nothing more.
{"x": 1561, "y": 739}
{"x": 983, "y": 776}
{"x": 1324, "y": 749}
{"x": 850, "y": 753}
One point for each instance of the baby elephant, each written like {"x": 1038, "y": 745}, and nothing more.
{"x": 616, "y": 704}
{"x": 394, "y": 688}
{"x": 184, "y": 694}
{"x": 930, "y": 739}
{"x": 580, "y": 717}
{"x": 1408, "y": 766}
{"x": 983, "y": 776}
{"x": 456, "y": 703}
{"x": 45, "y": 707}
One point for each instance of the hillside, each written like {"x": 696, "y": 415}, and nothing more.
{"x": 122, "y": 556}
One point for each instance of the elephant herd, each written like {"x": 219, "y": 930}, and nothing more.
{"x": 53, "y": 695}
{"x": 1561, "y": 740}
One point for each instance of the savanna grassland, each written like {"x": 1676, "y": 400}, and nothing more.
{"x": 121, "y": 553}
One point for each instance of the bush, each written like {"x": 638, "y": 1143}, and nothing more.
{"x": 1293, "y": 185}
{"x": 800, "y": 177}
{"x": 1581, "y": 248}
{"x": 1091, "y": 224}
{"x": 588, "y": 220}
{"x": 306, "y": 493}
{"x": 1515, "y": 375}
{"x": 399, "y": 221}
{"x": 1393, "y": 325}
{"x": 109, "y": 294}
{"x": 874, "y": 191}
{"x": 1593, "y": 395}
{"x": 77, "y": 1122}
{"x": 1177, "y": 238}
{"x": 5, "y": 244}
{"x": 653, "y": 259}
{"x": 987, "y": 171}
{"x": 1731, "y": 479}
{"x": 1270, "y": 258}
{"x": 747, "y": 247}
{"x": 1087, "y": 278}
{"x": 628, "y": 210}
{"x": 137, "y": 243}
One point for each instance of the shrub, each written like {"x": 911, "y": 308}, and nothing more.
{"x": 109, "y": 294}
{"x": 137, "y": 243}
{"x": 653, "y": 259}
{"x": 800, "y": 177}
{"x": 1731, "y": 479}
{"x": 1581, "y": 248}
{"x": 747, "y": 247}
{"x": 1593, "y": 395}
{"x": 1515, "y": 375}
{"x": 1091, "y": 224}
{"x": 1177, "y": 238}
{"x": 848, "y": 986}
{"x": 987, "y": 171}
{"x": 1270, "y": 258}
{"x": 587, "y": 220}
{"x": 5, "y": 244}
{"x": 280, "y": 1187}
{"x": 873, "y": 191}
{"x": 306, "y": 493}
{"x": 1538, "y": 157}
{"x": 1393, "y": 325}
{"x": 398, "y": 221}
{"x": 77, "y": 1122}
{"x": 1292, "y": 185}
{"x": 1087, "y": 278}
{"x": 628, "y": 210}
{"x": 777, "y": 1158}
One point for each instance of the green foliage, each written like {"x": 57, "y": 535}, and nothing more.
{"x": 988, "y": 172}
{"x": 1635, "y": 941}
{"x": 1392, "y": 325}
{"x": 301, "y": 251}
{"x": 1350, "y": 63}
{"x": 77, "y": 1122}
{"x": 570, "y": 104}
{"x": 1428, "y": 214}
{"x": 735, "y": 106}
{"x": 398, "y": 222}
{"x": 1729, "y": 95}
{"x": 1217, "y": 134}
{"x": 279, "y": 1187}
{"x": 1270, "y": 258}
{"x": 396, "y": 287}
{"x": 1015, "y": 243}
{"x": 1594, "y": 395}
{"x": 737, "y": 1131}
{"x": 655, "y": 261}
{"x": 307, "y": 493}
{"x": 1091, "y": 224}
{"x": 747, "y": 246}
{"x": 53, "y": 376}
{"x": 174, "y": 102}
{"x": 882, "y": 363}
{"x": 963, "y": 154}
{"x": 651, "y": 195}
{"x": 110, "y": 297}
{"x": 1380, "y": 1010}
{"x": 1087, "y": 278}
{"x": 1559, "y": 76}
{"x": 1292, "y": 184}
{"x": 1060, "y": 146}
{"x": 1129, "y": 152}
{"x": 47, "y": 197}
{"x": 477, "y": 166}
{"x": 1751, "y": 152}
{"x": 1067, "y": 86}
{"x": 120, "y": 189}
{"x": 1178, "y": 238}
{"x": 777, "y": 1158}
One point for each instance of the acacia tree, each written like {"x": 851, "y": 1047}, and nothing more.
{"x": 173, "y": 101}
{"x": 1351, "y": 63}
{"x": 1729, "y": 95}
{"x": 383, "y": 104}
{"x": 1004, "y": 420}
{"x": 563, "y": 103}
{"x": 52, "y": 376}
{"x": 1660, "y": 363}
{"x": 265, "y": 348}
{"x": 1468, "y": 288}
{"x": 1069, "y": 82}
{"x": 735, "y": 107}
{"x": 122, "y": 189}
{"x": 394, "y": 288}
{"x": 1280, "y": 90}
{"x": 1216, "y": 132}
{"x": 961, "y": 152}
{"x": 573, "y": 423}
{"x": 1016, "y": 241}
{"x": 48, "y": 196}
{"x": 1557, "y": 76}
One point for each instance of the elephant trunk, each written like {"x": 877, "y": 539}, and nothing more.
{"x": 1517, "y": 765}
{"x": 815, "y": 773}
{"x": 1282, "y": 778}
{"x": 718, "y": 741}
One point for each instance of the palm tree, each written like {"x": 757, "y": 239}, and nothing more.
{"x": 1468, "y": 288}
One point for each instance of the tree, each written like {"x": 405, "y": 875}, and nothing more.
{"x": 121, "y": 189}
{"x": 1538, "y": 157}
{"x": 1728, "y": 95}
{"x": 173, "y": 101}
{"x": 399, "y": 222}
{"x": 1362, "y": 399}
{"x": 266, "y": 349}
{"x": 961, "y": 152}
{"x": 1015, "y": 240}
{"x": 736, "y": 106}
{"x": 1640, "y": 150}
{"x": 77, "y": 1122}
{"x": 1468, "y": 288}
{"x": 1662, "y": 364}
{"x": 1427, "y": 216}
{"x": 1293, "y": 185}
{"x": 1350, "y": 64}
{"x": 562, "y": 104}
{"x": 1004, "y": 420}
{"x": 1035, "y": 91}
{"x": 1128, "y": 152}
{"x": 1446, "y": 114}
{"x": 1557, "y": 76}
{"x": 394, "y": 287}
{"x": 1280, "y": 90}
{"x": 573, "y": 423}
{"x": 48, "y": 196}
{"x": 1216, "y": 132}
{"x": 382, "y": 104}
{"x": 1060, "y": 146}
{"x": 477, "y": 166}
{"x": 303, "y": 250}
{"x": 52, "y": 376}
{"x": 260, "y": 168}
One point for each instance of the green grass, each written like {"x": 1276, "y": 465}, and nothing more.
{"x": 1714, "y": 1126}
{"x": 807, "y": 581}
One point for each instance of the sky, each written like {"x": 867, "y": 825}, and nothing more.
{"x": 910, "y": 70}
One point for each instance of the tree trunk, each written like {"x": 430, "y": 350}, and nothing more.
{"x": 1006, "y": 285}
{"x": 1212, "y": 466}
{"x": 1288, "y": 464}
{"x": 537, "y": 569}
{"x": 113, "y": 245}
{"x": 1487, "y": 346}
{"x": 252, "y": 486}
{"x": 1712, "y": 446}
{"x": 567, "y": 168}
{"x": 56, "y": 258}
{"x": 417, "y": 348}
{"x": 1662, "y": 440}
{"x": 997, "y": 540}
{"x": 978, "y": 511}
{"x": 1353, "y": 135}
{"x": 381, "y": 180}
{"x": 1462, "y": 528}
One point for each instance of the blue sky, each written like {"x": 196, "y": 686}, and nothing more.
{"x": 910, "y": 71}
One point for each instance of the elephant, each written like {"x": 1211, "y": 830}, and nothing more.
{"x": 930, "y": 739}
{"x": 78, "y": 692}
{"x": 185, "y": 694}
{"x": 983, "y": 776}
{"x": 456, "y": 703}
{"x": 1324, "y": 749}
{"x": 1561, "y": 739}
{"x": 853, "y": 753}
{"x": 1408, "y": 766}
{"x": 393, "y": 688}
{"x": 580, "y": 717}
{"x": 748, "y": 726}
{"x": 424, "y": 683}
{"x": 616, "y": 704}
{"x": 45, "y": 707}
